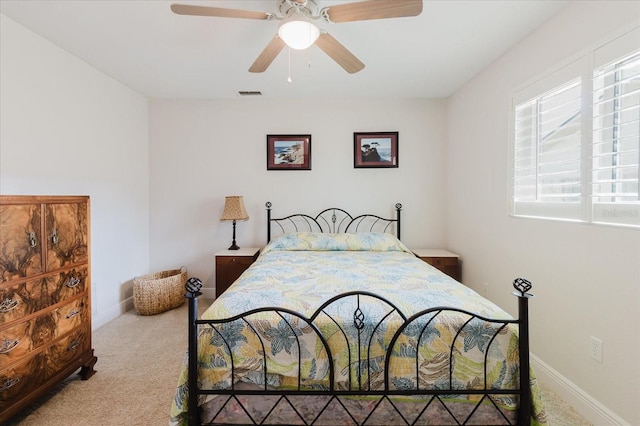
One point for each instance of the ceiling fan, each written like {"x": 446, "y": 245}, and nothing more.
{"x": 298, "y": 14}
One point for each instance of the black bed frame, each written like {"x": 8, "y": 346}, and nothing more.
{"x": 360, "y": 387}
{"x": 332, "y": 220}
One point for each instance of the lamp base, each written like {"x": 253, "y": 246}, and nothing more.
{"x": 234, "y": 246}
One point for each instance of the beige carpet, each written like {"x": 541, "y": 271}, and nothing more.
{"x": 139, "y": 358}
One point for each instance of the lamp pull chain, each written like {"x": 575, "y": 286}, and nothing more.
{"x": 289, "y": 79}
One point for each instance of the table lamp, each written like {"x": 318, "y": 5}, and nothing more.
{"x": 234, "y": 210}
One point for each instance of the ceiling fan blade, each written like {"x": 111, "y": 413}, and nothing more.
{"x": 185, "y": 9}
{"x": 339, "y": 53}
{"x": 373, "y": 9}
{"x": 267, "y": 56}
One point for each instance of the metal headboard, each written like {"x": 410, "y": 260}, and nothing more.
{"x": 333, "y": 220}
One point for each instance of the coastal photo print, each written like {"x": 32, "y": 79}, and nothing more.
{"x": 375, "y": 149}
{"x": 288, "y": 152}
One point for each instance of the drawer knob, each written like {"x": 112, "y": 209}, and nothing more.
{"x": 72, "y": 282}
{"x": 8, "y": 383}
{"x": 54, "y": 237}
{"x": 8, "y": 305}
{"x": 9, "y": 345}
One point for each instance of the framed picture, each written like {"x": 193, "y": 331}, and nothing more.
{"x": 288, "y": 152}
{"x": 375, "y": 149}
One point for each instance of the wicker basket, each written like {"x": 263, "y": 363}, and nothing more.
{"x": 160, "y": 291}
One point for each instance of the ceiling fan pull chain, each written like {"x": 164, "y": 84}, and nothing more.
{"x": 289, "y": 79}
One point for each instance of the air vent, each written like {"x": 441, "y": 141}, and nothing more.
{"x": 250, "y": 93}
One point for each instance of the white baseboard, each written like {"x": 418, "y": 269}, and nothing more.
{"x": 585, "y": 404}
{"x": 208, "y": 293}
{"x": 102, "y": 318}
{"x": 98, "y": 320}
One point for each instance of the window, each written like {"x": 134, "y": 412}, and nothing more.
{"x": 575, "y": 148}
{"x": 616, "y": 141}
{"x": 548, "y": 151}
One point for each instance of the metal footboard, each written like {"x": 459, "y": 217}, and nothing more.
{"x": 367, "y": 375}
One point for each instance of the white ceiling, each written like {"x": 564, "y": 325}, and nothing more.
{"x": 163, "y": 55}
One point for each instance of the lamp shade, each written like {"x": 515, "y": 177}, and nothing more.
{"x": 234, "y": 209}
{"x": 298, "y": 33}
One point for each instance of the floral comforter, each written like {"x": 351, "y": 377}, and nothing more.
{"x": 302, "y": 271}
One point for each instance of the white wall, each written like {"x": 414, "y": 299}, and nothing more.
{"x": 202, "y": 151}
{"x": 586, "y": 277}
{"x": 67, "y": 128}
{"x": 178, "y": 159}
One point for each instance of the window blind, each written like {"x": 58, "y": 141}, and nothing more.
{"x": 616, "y": 142}
{"x": 575, "y": 150}
{"x": 547, "y": 152}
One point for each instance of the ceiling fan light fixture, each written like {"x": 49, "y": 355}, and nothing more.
{"x": 298, "y": 33}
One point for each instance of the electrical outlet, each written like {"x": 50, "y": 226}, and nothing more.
{"x": 595, "y": 349}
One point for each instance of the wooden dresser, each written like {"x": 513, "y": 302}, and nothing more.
{"x": 45, "y": 303}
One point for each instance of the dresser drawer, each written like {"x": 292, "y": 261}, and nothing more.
{"x": 448, "y": 265}
{"x": 20, "y": 242}
{"x": 444, "y": 260}
{"x": 71, "y": 315}
{"x": 67, "y": 349}
{"x": 34, "y": 370}
{"x": 67, "y": 237}
{"x": 20, "y": 300}
{"x": 22, "y": 338}
{"x": 19, "y": 379}
{"x": 67, "y": 284}
{"x": 16, "y": 341}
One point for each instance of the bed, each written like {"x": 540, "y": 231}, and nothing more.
{"x": 338, "y": 322}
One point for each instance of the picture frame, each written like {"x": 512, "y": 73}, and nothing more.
{"x": 288, "y": 152}
{"x": 375, "y": 150}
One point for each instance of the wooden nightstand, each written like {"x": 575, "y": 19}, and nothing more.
{"x": 444, "y": 260}
{"x": 230, "y": 264}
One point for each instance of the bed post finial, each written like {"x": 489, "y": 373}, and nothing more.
{"x": 523, "y": 286}
{"x": 193, "y": 287}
